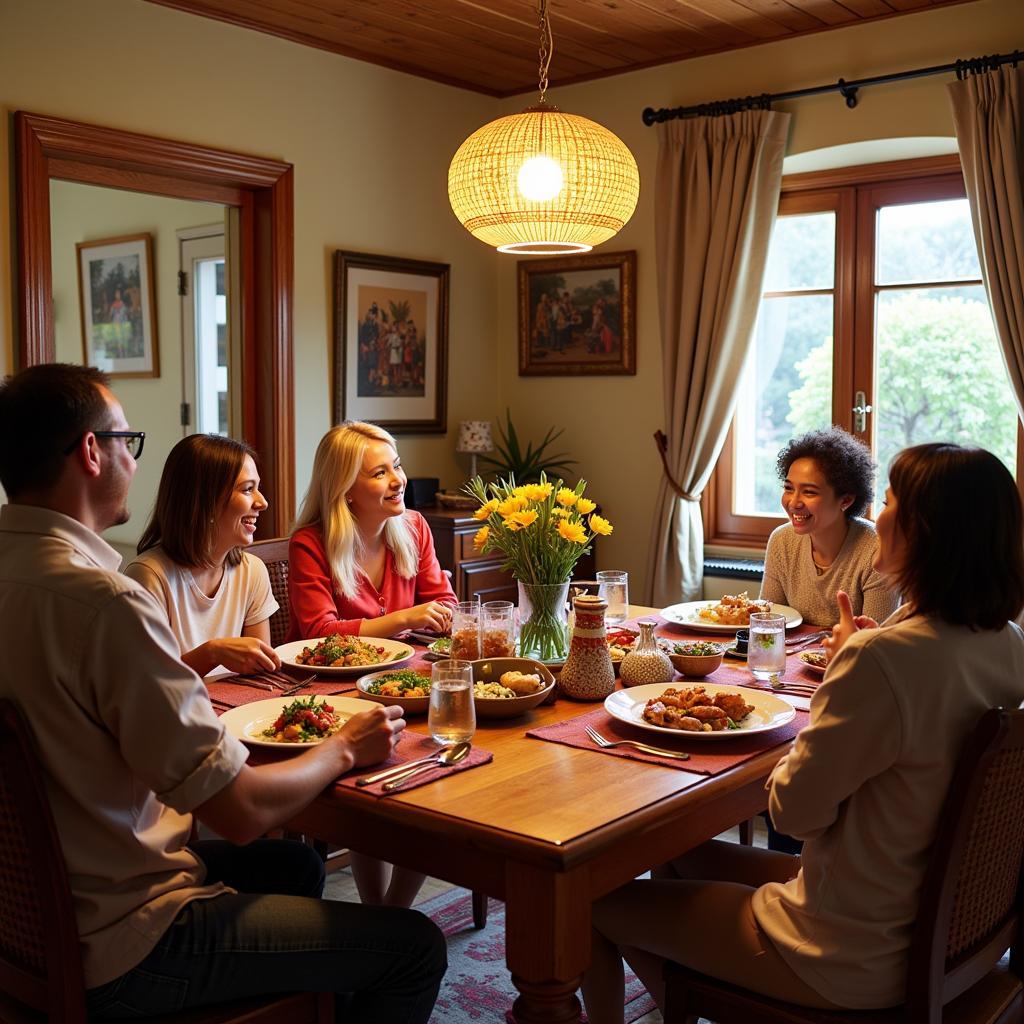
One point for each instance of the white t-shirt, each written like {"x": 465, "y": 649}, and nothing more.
{"x": 244, "y": 597}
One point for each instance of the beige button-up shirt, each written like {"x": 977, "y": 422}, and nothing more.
{"x": 864, "y": 787}
{"x": 128, "y": 739}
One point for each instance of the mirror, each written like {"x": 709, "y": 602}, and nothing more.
{"x": 257, "y": 195}
{"x": 116, "y": 261}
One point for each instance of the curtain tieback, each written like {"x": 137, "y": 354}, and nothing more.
{"x": 662, "y": 442}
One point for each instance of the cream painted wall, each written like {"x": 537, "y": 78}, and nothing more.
{"x": 610, "y": 421}
{"x": 81, "y": 213}
{"x": 371, "y": 148}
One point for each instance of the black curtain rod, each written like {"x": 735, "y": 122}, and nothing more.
{"x": 963, "y": 68}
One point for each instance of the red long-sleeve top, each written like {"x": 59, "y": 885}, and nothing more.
{"x": 319, "y": 609}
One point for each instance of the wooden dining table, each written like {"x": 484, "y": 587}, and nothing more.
{"x": 547, "y": 828}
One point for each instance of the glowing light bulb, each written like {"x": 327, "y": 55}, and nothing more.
{"x": 540, "y": 178}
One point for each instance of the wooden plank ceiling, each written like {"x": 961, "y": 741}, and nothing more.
{"x": 490, "y": 46}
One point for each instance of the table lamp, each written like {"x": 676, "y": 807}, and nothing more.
{"x": 474, "y": 437}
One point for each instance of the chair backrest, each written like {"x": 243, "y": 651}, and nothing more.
{"x": 274, "y": 553}
{"x": 40, "y": 959}
{"x": 970, "y": 910}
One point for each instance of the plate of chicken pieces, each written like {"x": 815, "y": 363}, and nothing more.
{"x": 708, "y": 712}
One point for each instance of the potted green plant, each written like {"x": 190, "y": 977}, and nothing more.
{"x": 525, "y": 466}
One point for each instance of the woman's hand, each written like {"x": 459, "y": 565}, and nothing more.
{"x": 431, "y": 615}
{"x": 243, "y": 654}
{"x": 847, "y": 625}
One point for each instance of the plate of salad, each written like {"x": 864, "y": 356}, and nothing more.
{"x": 290, "y": 723}
{"x": 440, "y": 648}
{"x": 342, "y": 655}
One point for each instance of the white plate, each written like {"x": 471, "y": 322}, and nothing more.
{"x": 247, "y": 721}
{"x": 401, "y": 653}
{"x": 769, "y": 711}
{"x": 686, "y": 615}
{"x": 820, "y": 669}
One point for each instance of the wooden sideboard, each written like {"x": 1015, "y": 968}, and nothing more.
{"x": 475, "y": 574}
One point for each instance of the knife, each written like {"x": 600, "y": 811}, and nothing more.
{"x": 369, "y": 780}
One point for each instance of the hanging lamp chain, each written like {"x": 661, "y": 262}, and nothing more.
{"x": 547, "y": 46}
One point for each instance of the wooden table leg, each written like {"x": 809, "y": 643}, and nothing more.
{"x": 547, "y": 942}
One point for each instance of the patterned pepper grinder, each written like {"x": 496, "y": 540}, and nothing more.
{"x": 646, "y": 663}
{"x": 588, "y": 673}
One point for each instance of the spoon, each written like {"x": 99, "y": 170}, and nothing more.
{"x": 445, "y": 758}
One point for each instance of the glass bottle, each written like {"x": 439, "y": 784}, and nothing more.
{"x": 646, "y": 662}
{"x": 588, "y": 673}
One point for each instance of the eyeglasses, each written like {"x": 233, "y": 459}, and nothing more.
{"x": 134, "y": 440}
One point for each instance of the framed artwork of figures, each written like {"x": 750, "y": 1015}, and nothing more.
{"x": 115, "y": 289}
{"x": 577, "y": 315}
{"x": 391, "y": 342}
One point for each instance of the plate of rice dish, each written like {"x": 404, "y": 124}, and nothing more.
{"x": 290, "y": 723}
{"x": 342, "y": 655}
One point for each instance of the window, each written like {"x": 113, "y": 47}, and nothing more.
{"x": 873, "y": 303}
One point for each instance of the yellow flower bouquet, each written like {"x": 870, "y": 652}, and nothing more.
{"x": 542, "y": 530}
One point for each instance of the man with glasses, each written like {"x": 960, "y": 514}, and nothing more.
{"x": 132, "y": 749}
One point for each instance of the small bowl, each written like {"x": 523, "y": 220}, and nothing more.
{"x": 410, "y": 705}
{"x": 697, "y": 665}
{"x": 490, "y": 670}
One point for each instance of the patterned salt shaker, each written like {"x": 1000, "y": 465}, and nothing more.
{"x": 646, "y": 662}
{"x": 588, "y": 673}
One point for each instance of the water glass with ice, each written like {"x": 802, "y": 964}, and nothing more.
{"x": 451, "y": 715}
{"x": 613, "y": 586}
{"x": 766, "y": 651}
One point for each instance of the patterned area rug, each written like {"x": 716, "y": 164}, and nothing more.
{"x": 477, "y": 987}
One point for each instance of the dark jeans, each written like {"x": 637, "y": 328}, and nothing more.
{"x": 276, "y": 935}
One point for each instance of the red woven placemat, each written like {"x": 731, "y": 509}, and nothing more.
{"x": 707, "y": 757}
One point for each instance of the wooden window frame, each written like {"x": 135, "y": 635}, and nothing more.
{"x": 854, "y": 194}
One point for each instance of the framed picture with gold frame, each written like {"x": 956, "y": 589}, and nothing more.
{"x": 577, "y": 315}
{"x": 391, "y": 342}
{"x": 115, "y": 291}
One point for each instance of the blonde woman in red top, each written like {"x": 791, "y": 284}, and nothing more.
{"x": 360, "y": 563}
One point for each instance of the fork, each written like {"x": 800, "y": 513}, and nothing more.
{"x": 299, "y": 686}
{"x": 799, "y": 642}
{"x": 603, "y": 741}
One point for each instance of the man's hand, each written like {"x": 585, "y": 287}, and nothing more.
{"x": 372, "y": 735}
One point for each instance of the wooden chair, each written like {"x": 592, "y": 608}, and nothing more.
{"x": 40, "y": 962}
{"x": 274, "y": 554}
{"x": 970, "y": 911}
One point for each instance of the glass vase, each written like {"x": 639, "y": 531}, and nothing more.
{"x": 543, "y": 621}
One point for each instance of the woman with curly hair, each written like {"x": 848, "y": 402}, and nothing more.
{"x": 864, "y": 783}
{"x": 826, "y": 547}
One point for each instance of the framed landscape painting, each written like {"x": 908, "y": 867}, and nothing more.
{"x": 391, "y": 342}
{"x": 115, "y": 290}
{"x": 577, "y": 315}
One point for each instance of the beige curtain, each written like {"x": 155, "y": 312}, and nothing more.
{"x": 987, "y": 113}
{"x": 717, "y": 192}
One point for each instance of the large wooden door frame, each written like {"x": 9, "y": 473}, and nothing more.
{"x": 261, "y": 189}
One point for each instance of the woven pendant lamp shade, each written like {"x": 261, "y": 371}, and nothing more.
{"x": 600, "y": 183}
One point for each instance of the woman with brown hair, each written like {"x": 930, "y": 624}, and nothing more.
{"x": 865, "y": 781}
{"x": 191, "y": 556}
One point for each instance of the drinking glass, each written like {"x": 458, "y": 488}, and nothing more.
{"x": 451, "y": 716}
{"x": 466, "y": 630}
{"x": 613, "y": 586}
{"x": 497, "y": 630}
{"x": 766, "y": 651}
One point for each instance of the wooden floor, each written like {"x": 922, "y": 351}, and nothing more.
{"x": 341, "y": 886}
